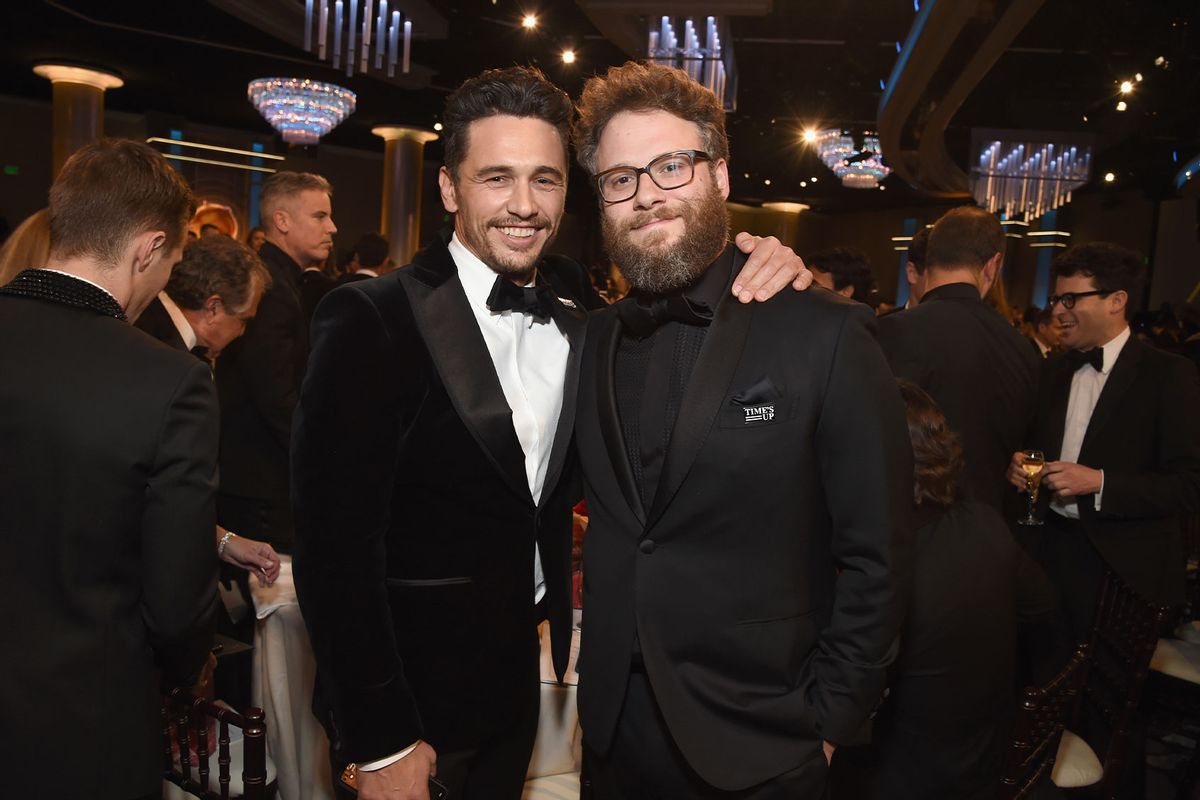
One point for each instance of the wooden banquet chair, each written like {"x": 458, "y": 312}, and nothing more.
{"x": 1039, "y": 727}
{"x": 187, "y": 744}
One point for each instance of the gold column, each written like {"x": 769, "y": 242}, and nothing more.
{"x": 403, "y": 169}
{"x": 78, "y": 107}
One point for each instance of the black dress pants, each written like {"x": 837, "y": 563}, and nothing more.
{"x": 1075, "y": 568}
{"x": 644, "y": 762}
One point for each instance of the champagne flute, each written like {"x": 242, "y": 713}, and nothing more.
{"x": 1033, "y": 464}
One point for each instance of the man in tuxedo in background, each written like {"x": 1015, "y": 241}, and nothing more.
{"x": 976, "y": 366}
{"x": 748, "y": 502}
{"x": 844, "y": 270}
{"x": 259, "y": 376}
{"x": 370, "y": 259}
{"x": 108, "y": 452}
{"x": 435, "y": 522}
{"x": 213, "y": 292}
{"x": 1117, "y": 422}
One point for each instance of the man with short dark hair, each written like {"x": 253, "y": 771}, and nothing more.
{"x": 208, "y": 230}
{"x": 844, "y": 270}
{"x": 213, "y": 292}
{"x": 259, "y": 376}
{"x": 914, "y": 266}
{"x": 434, "y": 471}
{"x": 1118, "y": 425}
{"x": 108, "y": 458}
{"x": 748, "y": 501}
{"x": 975, "y": 365}
{"x": 370, "y": 259}
{"x": 1045, "y": 330}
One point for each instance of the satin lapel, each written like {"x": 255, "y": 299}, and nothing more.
{"x": 1120, "y": 380}
{"x": 610, "y": 416}
{"x": 706, "y": 389}
{"x": 573, "y": 323}
{"x": 461, "y": 356}
{"x": 1059, "y": 394}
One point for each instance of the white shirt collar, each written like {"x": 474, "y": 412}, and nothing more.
{"x": 370, "y": 273}
{"x": 85, "y": 280}
{"x": 181, "y": 322}
{"x": 1112, "y": 349}
{"x": 477, "y": 278}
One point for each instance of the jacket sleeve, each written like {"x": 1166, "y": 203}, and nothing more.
{"x": 866, "y": 466}
{"x": 179, "y": 554}
{"x": 266, "y": 359}
{"x": 345, "y": 449}
{"x": 1172, "y": 486}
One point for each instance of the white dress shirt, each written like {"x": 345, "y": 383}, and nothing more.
{"x": 181, "y": 322}
{"x": 1086, "y": 385}
{"x": 530, "y": 356}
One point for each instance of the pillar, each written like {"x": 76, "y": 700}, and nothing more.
{"x": 403, "y": 170}
{"x": 78, "y": 107}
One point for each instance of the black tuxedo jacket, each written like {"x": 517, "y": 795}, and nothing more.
{"x": 258, "y": 377}
{"x": 416, "y": 527}
{"x": 108, "y": 449}
{"x": 789, "y": 461}
{"x": 1145, "y": 434}
{"x": 979, "y": 370}
{"x": 314, "y": 285}
{"x": 157, "y": 322}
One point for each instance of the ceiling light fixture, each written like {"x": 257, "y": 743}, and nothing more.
{"x": 1121, "y": 105}
{"x": 809, "y": 135}
{"x": 857, "y": 168}
{"x": 1126, "y": 87}
{"x": 1109, "y": 177}
{"x": 1021, "y": 177}
{"x": 355, "y": 33}
{"x": 529, "y": 22}
{"x": 700, "y": 52}
{"x": 568, "y": 56}
{"x": 301, "y": 110}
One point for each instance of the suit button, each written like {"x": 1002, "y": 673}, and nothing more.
{"x": 647, "y": 546}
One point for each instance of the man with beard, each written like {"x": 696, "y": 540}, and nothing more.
{"x": 434, "y": 520}
{"x": 727, "y": 646}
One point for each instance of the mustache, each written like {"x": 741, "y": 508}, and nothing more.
{"x": 646, "y": 217}
{"x": 516, "y": 222}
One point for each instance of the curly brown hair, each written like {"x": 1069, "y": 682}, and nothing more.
{"x": 647, "y": 87}
{"x": 937, "y": 450}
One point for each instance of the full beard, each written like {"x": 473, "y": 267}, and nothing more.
{"x": 654, "y": 265}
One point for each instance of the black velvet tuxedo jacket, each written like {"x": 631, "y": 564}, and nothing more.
{"x": 108, "y": 450}
{"x": 978, "y": 369}
{"x": 258, "y": 377}
{"x": 789, "y": 461}
{"x": 157, "y": 322}
{"x": 416, "y": 526}
{"x": 1145, "y": 434}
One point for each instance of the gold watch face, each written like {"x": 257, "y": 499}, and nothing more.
{"x": 350, "y": 776}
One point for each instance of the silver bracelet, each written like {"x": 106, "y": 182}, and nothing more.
{"x": 224, "y": 541}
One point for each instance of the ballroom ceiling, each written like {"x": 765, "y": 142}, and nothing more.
{"x": 806, "y": 63}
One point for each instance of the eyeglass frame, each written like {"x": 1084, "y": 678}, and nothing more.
{"x": 692, "y": 155}
{"x": 1055, "y": 299}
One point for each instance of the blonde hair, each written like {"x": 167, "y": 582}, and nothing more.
{"x": 28, "y": 246}
{"x": 282, "y": 186}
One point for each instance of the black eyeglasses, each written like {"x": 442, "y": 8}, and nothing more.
{"x": 1068, "y": 298}
{"x": 668, "y": 171}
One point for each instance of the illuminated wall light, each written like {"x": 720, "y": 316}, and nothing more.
{"x": 1121, "y": 106}
{"x": 568, "y": 56}
{"x": 529, "y": 22}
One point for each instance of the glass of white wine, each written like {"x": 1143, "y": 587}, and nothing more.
{"x": 1034, "y": 463}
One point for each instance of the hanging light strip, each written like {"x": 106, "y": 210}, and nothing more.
{"x": 176, "y": 157}
{"x": 704, "y": 59}
{"x": 301, "y": 110}
{"x": 1021, "y": 173}
{"x": 217, "y": 148}
{"x": 363, "y": 28}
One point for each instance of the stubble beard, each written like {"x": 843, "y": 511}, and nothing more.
{"x": 509, "y": 267}
{"x": 656, "y": 266}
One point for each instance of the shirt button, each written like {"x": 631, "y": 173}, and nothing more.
{"x": 647, "y": 546}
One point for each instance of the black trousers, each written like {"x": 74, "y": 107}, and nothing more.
{"x": 644, "y": 762}
{"x": 1075, "y": 568}
{"x": 494, "y": 770}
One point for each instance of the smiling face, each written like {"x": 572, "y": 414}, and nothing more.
{"x": 508, "y": 193}
{"x": 1094, "y": 320}
{"x": 662, "y": 239}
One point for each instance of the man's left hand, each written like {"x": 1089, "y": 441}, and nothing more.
{"x": 770, "y": 267}
{"x": 1066, "y": 479}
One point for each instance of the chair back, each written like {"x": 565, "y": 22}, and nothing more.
{"x": 1038, "y": 728}
{"x": 1124, "y": 636}
{"x": 185, "y": 729}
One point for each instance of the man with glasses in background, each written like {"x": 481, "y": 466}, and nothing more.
{"x": 1117, "y": 421}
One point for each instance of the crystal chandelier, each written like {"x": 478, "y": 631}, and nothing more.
{"x": 301, "y": 110}
{"x": 358, "y": 27}
{"x": 857, "y": 168}
{"x": 699, "y": 52}
{"x": 1013, "y": 172}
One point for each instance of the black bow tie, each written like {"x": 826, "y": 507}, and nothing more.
{"x": 642, "y": 316}
{"x": 1095, "y": 357}
{"x": 507, "y": 296}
